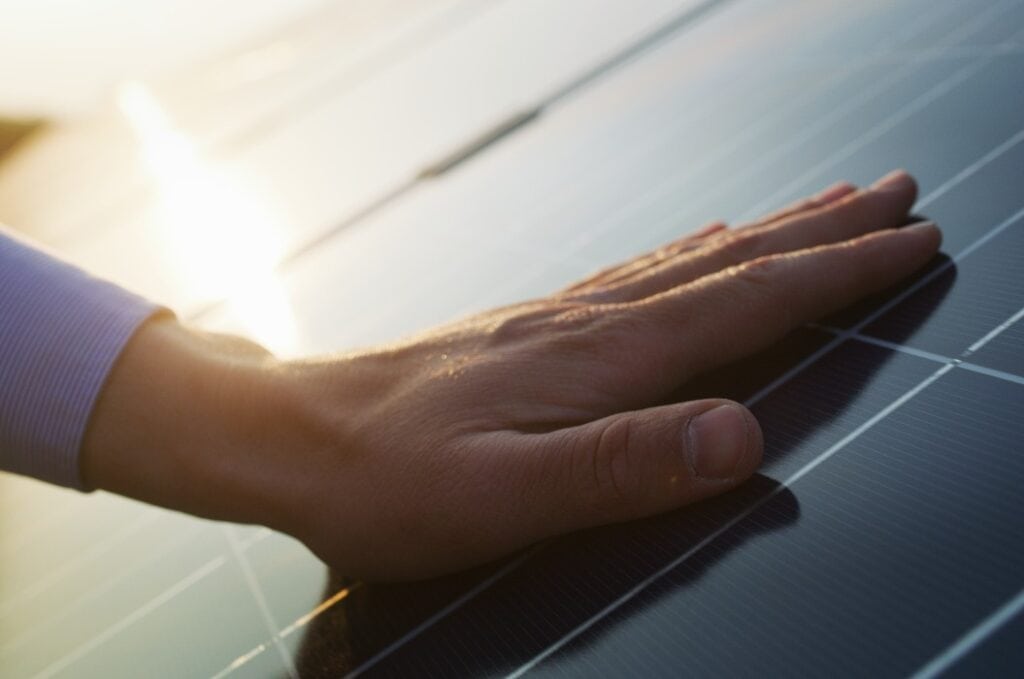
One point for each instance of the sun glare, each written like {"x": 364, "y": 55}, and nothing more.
{"x": 222, "y": 240}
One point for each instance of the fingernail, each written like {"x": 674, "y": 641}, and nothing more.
{"x": 896, "y": 179}
{"x": 920, "y": 226}
{"x": 717, "y": 442}
{"x": 930, "y": 227}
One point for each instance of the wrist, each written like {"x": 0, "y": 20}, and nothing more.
{"x": 195, "y": 422}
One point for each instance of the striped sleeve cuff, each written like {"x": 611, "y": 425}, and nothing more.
{"x": 60, "y": 332}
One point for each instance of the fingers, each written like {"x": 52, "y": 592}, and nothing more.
{"x": 635, "y": 464}
{"x": 828, "y": 195}
{"x": 690, "y": 242}
{"x": 885, "y": 205}
{"x": 744, "y": 308}
{"x": 615, "y": 272}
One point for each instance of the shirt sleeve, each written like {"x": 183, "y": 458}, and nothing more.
{"x": 60, "y": 332}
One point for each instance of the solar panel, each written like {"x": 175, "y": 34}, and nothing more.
{"x": 881, "y": 537}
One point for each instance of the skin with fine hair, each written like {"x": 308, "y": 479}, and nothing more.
{"x": 471, "y": 440}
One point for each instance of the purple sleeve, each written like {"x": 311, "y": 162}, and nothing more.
{"x": 60, "y": 332}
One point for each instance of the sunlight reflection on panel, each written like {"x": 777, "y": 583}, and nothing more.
{"x": 222, "y": 240}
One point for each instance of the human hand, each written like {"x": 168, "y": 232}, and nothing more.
{"x": 471, "y": 440}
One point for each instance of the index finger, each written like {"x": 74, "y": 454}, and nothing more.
{"x": 731, "y": 314}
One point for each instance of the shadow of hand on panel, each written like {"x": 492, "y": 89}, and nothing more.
{"x": 569, "y": 580}
{"x": 605, "y": 560}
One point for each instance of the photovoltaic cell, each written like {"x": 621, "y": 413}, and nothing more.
{"x": 1005, "y": 352}
{"x": 963, "y": 303}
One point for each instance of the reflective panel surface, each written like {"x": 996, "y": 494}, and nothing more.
{"x": 866, "y": 545}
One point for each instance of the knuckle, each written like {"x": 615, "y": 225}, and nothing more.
{"x": 519, "y": 325}
{"x": 759, "y": 285}
{"x": 742, "y": 247}
{"x": 581, "y": 329}
{"x": 609, "y": 480}
{"x": 761, "y": 273}
{"x": 594, "y": 279}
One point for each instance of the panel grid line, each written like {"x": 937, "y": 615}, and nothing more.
{"x": 974, "y": 637}
{"x": 130, "y": 619}
{"x": 75, "y": 603}
{"x": 995, "y": 332}
{"x": 878, "y": 130}
{"x": 970, "y": 170}
{"x": 296, "y": 625}
{"x": 990, "y": 372}
{"x": 253, "y": 586}
{"x": 197, "y": 575}
{"x": 70, "y": 566}
{"x": 927, "y": 355}
{"x": 429, "y": 622}
{"x": 939, "y": 270}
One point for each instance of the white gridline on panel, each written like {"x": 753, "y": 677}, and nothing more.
{"x": 53, "y": 576}
{"x": 296, "y": 625}
{"x": 153, "y": 604}
{"x": 936, "y": 358}
{"x": 972, "y": 638}
{"x": 302, "y": 621}
{"x": 141, "y": 612}
{"x": 429, "y": 622}
{"x": 931, "y": 196}
{"x": 935, "y": 93}
{"x": 256, "y": 591}
{"x": 86, "y": 597}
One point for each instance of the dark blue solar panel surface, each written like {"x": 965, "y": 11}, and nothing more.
{"x": 1000, "y": 654}
{"x": 964, "y": 302}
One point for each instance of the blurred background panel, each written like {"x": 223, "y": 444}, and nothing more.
{"x": 291, "y": 130}
{"x": 60, "y": 58}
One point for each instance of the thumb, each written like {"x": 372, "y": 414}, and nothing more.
{"x": 639, "y": 463}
